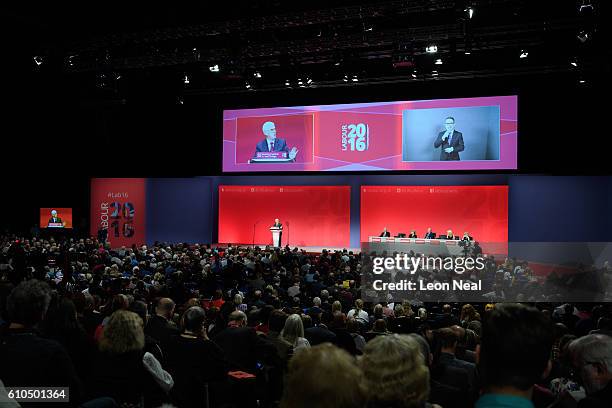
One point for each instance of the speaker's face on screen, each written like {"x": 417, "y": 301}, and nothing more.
{"x": 269, "y": 129}
{"x": 449, "y": 124}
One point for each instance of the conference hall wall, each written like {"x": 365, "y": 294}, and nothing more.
{"x": 540, "y": 208}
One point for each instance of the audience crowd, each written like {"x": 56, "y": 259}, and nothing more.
{"x": 191, "y": 326}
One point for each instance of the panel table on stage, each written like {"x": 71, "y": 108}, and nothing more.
{"x": 436, "y": 247}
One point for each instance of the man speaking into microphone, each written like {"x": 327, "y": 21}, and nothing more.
{"x": 449, "y": 141}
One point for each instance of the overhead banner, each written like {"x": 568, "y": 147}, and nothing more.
{"x": 118, "y": 205}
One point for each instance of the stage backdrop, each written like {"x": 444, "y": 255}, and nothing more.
{"x": 119, "y": 205}
{"x": 480, "y": 210}
{"x": 311, "y": 215}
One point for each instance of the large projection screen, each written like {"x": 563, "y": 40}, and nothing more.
{"x": 443, "y": 134}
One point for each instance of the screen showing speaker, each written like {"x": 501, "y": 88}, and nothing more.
{"x": 443, "y": 134}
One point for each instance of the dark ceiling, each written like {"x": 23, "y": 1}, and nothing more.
{"x": 275, "y": 44}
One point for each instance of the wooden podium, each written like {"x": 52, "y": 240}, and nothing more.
{"x": 276, "y": 236}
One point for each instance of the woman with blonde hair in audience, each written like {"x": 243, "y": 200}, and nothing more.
{"x": 123, "y": 370}
{"x": 293, "y": 332}
{"x": 394, "y": 373}
{"x": 324, "y": 376}
{"x": 336, "y": 307}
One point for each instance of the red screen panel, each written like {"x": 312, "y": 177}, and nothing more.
{"x": 311, "y": 215}
{"x": 119, "y": 205}
{"x": 482, "y": 211}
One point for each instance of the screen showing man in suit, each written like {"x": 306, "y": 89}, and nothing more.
{"x": 272, "y": 143}
{"x": 55, "y": 218}
{"x": 450, "y": 141}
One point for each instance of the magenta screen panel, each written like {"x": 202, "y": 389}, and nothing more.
{"x": 442, "y": 134}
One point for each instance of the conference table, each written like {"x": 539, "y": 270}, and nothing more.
{"x": 438, "y": 247}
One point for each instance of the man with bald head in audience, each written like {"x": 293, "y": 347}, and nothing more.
{"x": 160, "y": 326}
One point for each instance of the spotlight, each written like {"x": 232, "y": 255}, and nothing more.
{"x": 582, "y": 81}
{"x": 523, "y": 54}
{"x": 583, "y": 36}
{"x": 214, "y": 68}
{"x": 469, "y": 11}
{"x": 186, "y": 79}
{"x": 438, "y": 61}
{"x": 432, "y": 49}
{"x": 574, "y": 63}
{"x": 38, "y": 60}
{"x": 585, "y": 6}
{"x": 257, "y": 74}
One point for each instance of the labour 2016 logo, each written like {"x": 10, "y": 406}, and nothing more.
{"x": 355, "y": 137}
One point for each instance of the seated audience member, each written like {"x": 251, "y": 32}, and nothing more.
{"x": 193, "y": 360}
{"x": 320, "y": 332}
{"x": 379, "y": 328}
{"x": 243, "y": 348}
{"x": 358, "y": 313}
{"x": 514, "y": 355}
{"x": 448, "y": 347}
{"x": 401, "y": 324}
{"x": 394, "y": 372}
{"x": 283, "y": 347}
{"x": 353, "y": 328}
{"x": 122, "y": 369}
{"x": 151, "y": 345}
{"x": 344, "y": 339}
{"x": 293, "y": 333}
{"x": 324, "y": 376}
{"x": 160, "y": 326}
{"x": 413, "y": 234}
{"x": 592, "y": 360}
{"x": 25, "y": 356}
{"x": 466, "y": 343}
{"x": 61, "y": 324}
{"x": 445, "y": 395}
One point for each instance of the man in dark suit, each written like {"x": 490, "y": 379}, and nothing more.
{"x": 54, "y": 218}
{"x": 450, "y": 141}
{"x": 161, "y": 327}
{"x": 242, "y": 346}
{"x": 277, "y": 224}
{"x": 429, "y": 234}
{"x": 273, "y": 144}
{"x": 385, "y": 233}
{"x": 413, "y": 234}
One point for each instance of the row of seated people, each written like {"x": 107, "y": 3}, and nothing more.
{"x": 429, "y": 235}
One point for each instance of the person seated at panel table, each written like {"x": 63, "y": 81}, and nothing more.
{"x": 413, "y": 234}
{"x": 385, "y": 233}
{"x": 450, "y": 235}
{"x": 429, "y": 234}
{"x": 466, "y": 237}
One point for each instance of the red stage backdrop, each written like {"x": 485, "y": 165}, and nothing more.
{"x": 119, "y": 205}
{"x": 480, "y": 210}
{"x": 311, "y": 216}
